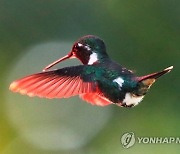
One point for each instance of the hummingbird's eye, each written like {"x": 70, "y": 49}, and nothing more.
{"x": 77, "y": 46}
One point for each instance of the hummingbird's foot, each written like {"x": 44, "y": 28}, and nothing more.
{"x": 129, "y": 106}
{"x": 125, "y": 105}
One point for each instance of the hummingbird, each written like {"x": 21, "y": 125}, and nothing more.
{"x": 99, "y": 80}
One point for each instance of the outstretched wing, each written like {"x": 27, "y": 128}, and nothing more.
{"x": 61, "y": 83}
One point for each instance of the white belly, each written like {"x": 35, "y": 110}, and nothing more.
{"x": 132, "y": 100}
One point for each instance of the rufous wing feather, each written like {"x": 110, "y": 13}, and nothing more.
{"x": 60, "y": 83}
{"x": 95, "y": 99}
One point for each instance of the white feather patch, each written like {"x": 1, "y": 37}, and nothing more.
{"x": 79, "y": 44}
{"x": 119, "y": 80}
{"x": 93, "y": 58}
{"x": 132, "y": 100}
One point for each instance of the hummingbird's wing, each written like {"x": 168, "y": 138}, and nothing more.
{"x": 95, "y": 99}
{"x": 61, "y": 83}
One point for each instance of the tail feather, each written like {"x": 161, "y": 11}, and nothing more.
{"x": 145, "y": 82}
{"x": 155, "y": 75}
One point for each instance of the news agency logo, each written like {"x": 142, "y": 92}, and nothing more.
{"x": 128, "y": 140}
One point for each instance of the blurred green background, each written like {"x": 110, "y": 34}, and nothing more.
{"x": 141, "y": 35}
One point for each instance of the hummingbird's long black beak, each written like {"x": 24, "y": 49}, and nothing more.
{"x": 155, "y": 75}
{"x": 70, "y": 55}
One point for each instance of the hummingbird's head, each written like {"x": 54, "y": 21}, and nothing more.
{"x": 89, "y": 49}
